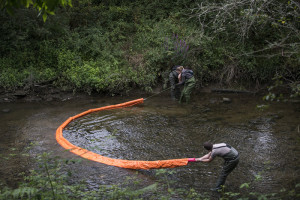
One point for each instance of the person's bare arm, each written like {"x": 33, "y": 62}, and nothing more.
{"x": 205, "y": 158}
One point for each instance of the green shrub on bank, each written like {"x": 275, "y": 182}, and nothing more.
{"x": 135, "y": 44}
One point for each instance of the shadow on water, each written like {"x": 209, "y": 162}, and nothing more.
{"x": 268, "y": 141}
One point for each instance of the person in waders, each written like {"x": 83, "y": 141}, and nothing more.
{"x": 186, "y": 78}
{"x": 228, "y": 153}
{"x": 175, "y": 89}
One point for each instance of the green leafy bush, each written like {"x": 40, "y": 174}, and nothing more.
{"x": 137, "y": 43}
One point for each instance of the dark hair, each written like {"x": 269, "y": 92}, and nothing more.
{"x": 208, "y": 146}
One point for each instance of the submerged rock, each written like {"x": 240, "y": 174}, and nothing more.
{"x": 226, "y": 100}
{"x": 6, "y": 110}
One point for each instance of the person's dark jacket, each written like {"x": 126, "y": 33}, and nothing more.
{"x": 173, "y": 77}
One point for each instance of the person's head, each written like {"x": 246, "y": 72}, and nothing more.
{"x": 208, "y": 146}
{"x": 179, "y": 69}
{"x": 175, "y": 67}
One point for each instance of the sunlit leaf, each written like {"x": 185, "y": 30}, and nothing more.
{"x": 45, "y": 16}
{"x": 245, "y": 185}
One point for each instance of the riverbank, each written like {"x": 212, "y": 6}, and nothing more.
{"x": 48, "y": 93}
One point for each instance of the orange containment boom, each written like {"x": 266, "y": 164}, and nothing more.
{"x": 131, "y": 164}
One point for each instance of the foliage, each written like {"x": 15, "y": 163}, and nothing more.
{"x": 50, "y": 180}
{"x": 44, "y": 6}
{"x": 177, "y": 47}
{"x": 116, "y": 46}
{"x": 264, "y": 33}
{"x": 246, "y": 193}
{"x": 98, "y": 76}
{"x": 278, "y": 88}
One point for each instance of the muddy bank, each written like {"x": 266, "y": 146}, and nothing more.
{"x": 48, "y": 93}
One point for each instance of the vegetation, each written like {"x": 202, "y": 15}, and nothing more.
{"x": 116, "y": 46}
{"x": 51, "y": 179}
{"x": 43, "y": 6}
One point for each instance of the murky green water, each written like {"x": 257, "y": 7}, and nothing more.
{"x": 268, "y": 141}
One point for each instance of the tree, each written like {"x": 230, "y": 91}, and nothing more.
{"x": 266, "y": 30}
{"x": 244, "y": 20}
{"x": 44, "y": 7}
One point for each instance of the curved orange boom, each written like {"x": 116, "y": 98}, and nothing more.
{"x": 131, "y": 164}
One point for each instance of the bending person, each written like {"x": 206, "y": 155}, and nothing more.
{"x": 228, "y": 153}
{"x": 173, "y": 78}
{"x": 186, "y": 78}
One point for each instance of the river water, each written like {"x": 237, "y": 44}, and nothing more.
{"x": 268, "y": 140}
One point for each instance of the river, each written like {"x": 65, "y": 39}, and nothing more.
{"x": 268, "y": 139}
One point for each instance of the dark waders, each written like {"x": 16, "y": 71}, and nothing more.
{"x": 187, "y": 90}
{"x": 175, "y": 89}
{"x": 227, "y": 168}
{"x": 175, "y": 93}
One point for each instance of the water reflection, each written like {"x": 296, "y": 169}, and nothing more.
{"x": 164, "y": 130}
{"x": 268, "y": 141}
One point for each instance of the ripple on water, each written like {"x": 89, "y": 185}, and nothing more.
{"x": 168, "y": 131}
